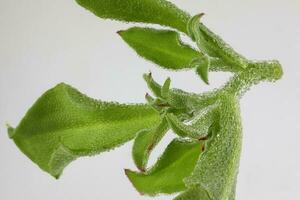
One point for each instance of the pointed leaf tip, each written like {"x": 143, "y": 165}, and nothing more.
{"x": 129, "y": 173}
{"x": 191, "y": 23}
{"x": 202, "y": 71}
{"x": 166, "y": 87}
{"x": 120, "y": 32}
{"x": 202, "y": 65}
{"x": 10, "y": 131}
{"x": 149, "y": 99}
{"x": 198, "y": 16}
{"x": 147, "y": 76}
{"x": 153, "y": 86}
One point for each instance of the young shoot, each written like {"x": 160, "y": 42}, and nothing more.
{"x": 202, "y": 162}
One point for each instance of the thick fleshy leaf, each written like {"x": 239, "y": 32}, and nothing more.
{"x": 182, "y": 129}
{"x": 147, "y": 11}
{"x": 153, "y": 85}
{"x": 165, "y": 90}
{"x": 64, "y": 124}
{"x": 202, "y": 71}
{"x": 214, "y": 46}
{"x": 145, "y": 142}
{"x": 162, "y": 47}
{"x": 166, "y": 176}
{"x": 202, "y": 67}
{"x": 198, "y": 127}
{"x": 217, "y": 168}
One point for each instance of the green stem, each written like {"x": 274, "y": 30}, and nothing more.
{"x": 256, "y": 72}
{"x": 217, "y": 65}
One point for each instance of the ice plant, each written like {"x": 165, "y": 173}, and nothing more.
{"x": 202, "y": 163}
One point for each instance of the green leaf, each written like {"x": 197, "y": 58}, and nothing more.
{"x": 166, "y": 88}
{"x": 162, "y": 47}
{"x": 217, "y": 168}
{"x": 202, "y": 67}
{"x": 145, "y": 142}
{"x": 184, "y": 130}
{"x": 179, "y": 127}
{"x": 147, "y": 11}
{"x": 166, "y": 176}
{"x": 64, "y": 124}
{"x": 152, "y": 85}
{"x": 198, "y": 127}
{"x": 214, "y": 46}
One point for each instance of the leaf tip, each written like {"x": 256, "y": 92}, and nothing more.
{"x": 200, "y": 15}
{"x": 147, "y": 76}
{"x": 10, "y": 131}
{"x": 149, "y": 98}
{"x": 202, "y": 70}
{"x": 166, "y": 88}
{"x": 142, "y": 169}
{"x": 120, "y": 32}
{"x": 168, "y": 81}
{"x": 126, "y": 171}
{"x": 206, "y": 81}
{"x": 56, "y": 176}
{"x": 129, "y": 175}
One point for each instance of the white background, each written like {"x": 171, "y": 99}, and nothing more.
{"x": 44, "y": 42}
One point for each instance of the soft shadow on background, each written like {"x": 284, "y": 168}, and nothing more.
{"x": 44, "y": 42}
